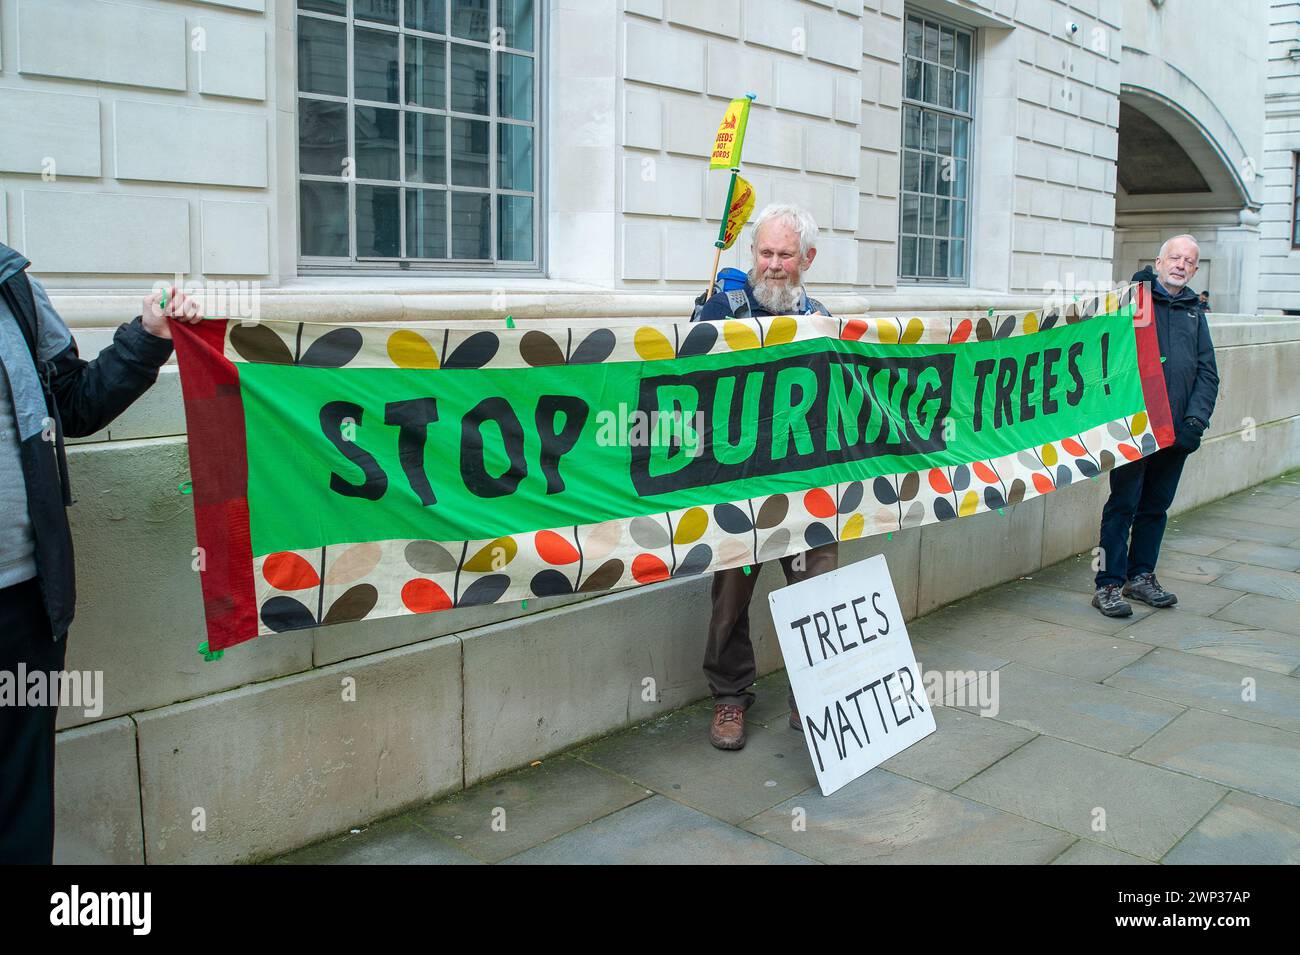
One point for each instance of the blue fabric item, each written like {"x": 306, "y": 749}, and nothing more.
{"x": 732, "y": 280}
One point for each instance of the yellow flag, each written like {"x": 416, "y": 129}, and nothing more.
{"x": 731, "y": 135}
{"x": 742, "y": 205}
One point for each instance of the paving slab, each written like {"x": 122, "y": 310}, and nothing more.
{"x": 1256, "y": 513}
{"x": 1219, "y": 639}
{"x": 1054, "y": 605}
{"x": 1177, "y": 565}
{"x": 1268, "y": 581}
{"x": 955, "y": 665}
{"x": 1214, "y": 685}
{"x": 1239, "y": 754}
{"x": 1189, "y": 542}
{"x": 963, "y": 744}
{"x": 1085, "y": 852}
{"x": 392, "y": 842}
{"x": 1242, "y": 830}
{"x": 1144, "y": 809}
{"x": 673, "y": 756}
{"x": 658, "y": 831}
{"x": 1074, "y": 573}
{"x": 1090, "y": 713}
{"x": 1264, "y": 494}
{"x": 1196, "y": 598}
{"x": 504, "y": 816}
{"x": 884, "y": 818}
{"x": 1234, "y": 528}
{"x": 1263, "y": 555}
{"x": 1267, "y": 613}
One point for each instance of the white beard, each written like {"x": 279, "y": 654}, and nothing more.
{"x": 777, "y": 298}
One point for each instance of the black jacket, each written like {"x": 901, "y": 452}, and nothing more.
{"x": 1191, "y": 375}
{"x": 81, "y": 398}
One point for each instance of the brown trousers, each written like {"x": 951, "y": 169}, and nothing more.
{"x": 729, "y": 655}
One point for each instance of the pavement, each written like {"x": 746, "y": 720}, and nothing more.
{"x": 1172, "y": 736}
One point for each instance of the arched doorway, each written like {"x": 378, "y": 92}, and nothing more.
{"x": 1176, "y": 175}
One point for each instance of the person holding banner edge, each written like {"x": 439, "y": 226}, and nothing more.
{"x": 1141, "y": 492}
{"x": 784, "y": 244}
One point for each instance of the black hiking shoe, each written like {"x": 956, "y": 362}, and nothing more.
{"x": 1146, "y": 588}
{"x": 1109, "y": 601}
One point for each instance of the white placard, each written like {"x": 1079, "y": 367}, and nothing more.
{"x": 852, "y": 669}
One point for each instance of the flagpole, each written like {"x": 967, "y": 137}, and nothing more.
{"x": 721, "y": 242}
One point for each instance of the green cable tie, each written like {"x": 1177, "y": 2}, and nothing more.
{"x": 510, "y": 321}
{"x": 210, "y": 655}
{"x": 889, "y": 536}
{"x": 1002, "y": 511}
{"x": 748, "y": 570}
{"x": 523, "y": 605}
{"x": 185, "y": 488}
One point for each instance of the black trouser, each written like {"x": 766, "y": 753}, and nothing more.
{"x": 26, "y": 732}
{"x": 729, "y": 655}
{"x": 1140, "y": 495}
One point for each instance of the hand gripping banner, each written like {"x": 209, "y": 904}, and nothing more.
{"x": 344, "y": 473}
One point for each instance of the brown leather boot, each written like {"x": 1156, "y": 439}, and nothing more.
{"x": 728, "y": 729}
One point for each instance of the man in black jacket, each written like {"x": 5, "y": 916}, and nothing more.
{"x": 1141, "y": 492}
{"x": 47, "y": 391}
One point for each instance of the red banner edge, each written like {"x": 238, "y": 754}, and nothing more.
{"x": 1149, "y": 369}
{"x": 218, "y": 453}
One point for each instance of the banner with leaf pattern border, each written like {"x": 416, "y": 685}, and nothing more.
{"x": 351, "y": 472}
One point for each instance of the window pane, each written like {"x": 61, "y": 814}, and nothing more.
{"x": 925, "y": 257}
{"x": 323, "y": 214}
{"x": 929, "y": 173}
{"x": 469, "y": 19}
{"x": 471, "y": 236}
{"x": 322, "y": 57}
{"x": 959, "y": 178}
{"x": 427, "y": 15}
{"x": 426, "y": 148}
{"x": 515, "y": 86}
{"x": 381, "y": 11}
{"x": 379, "y": 221}
{"x": 515, "y": 228}
{"x": 929, "y": 131}
{"x": 963, "y": 51}
{"x": 959, "y": 218}
{"x": 912, "y": 90}
{"x": 944, "y": 143}
{"x": 469, "y": 153}
{"x": 376, "y": 143}
{"x": 946, "y": 90}
{"x": 426, "y": 72}
{"x": 911, "y": 213}
{"x": 911, "y": 170}
{"x": 957, "y": 260}
{"x": 338, "y": 7}
{"x": 374, "y": 65}
{"x": 469, "y": 79}
{"x": 941, "y": 217}
{"x": 960, "y": 138}
{"x": 911, "y": 127}
{"x": 426, "y": 223}
{"x": 322, "y": 137}
{"x": 515, "y": 17}
{"x": 962, "y": 100}
{"x": 932, "y": 42}
{"x": 913, "y": 36}
{"x": 930, "y": 88}
{"x": 941, "y": 258}
{"x": 946, "y": 47}
{"x": 515, "y": 157}
{"x": 907, "y": 257}
{"x": 927, "y": 216}
{"x": 947, "y": 168}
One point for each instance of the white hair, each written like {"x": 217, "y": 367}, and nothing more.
{"x": 798, "y": 219}
{"x": 1190, "y": 238}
